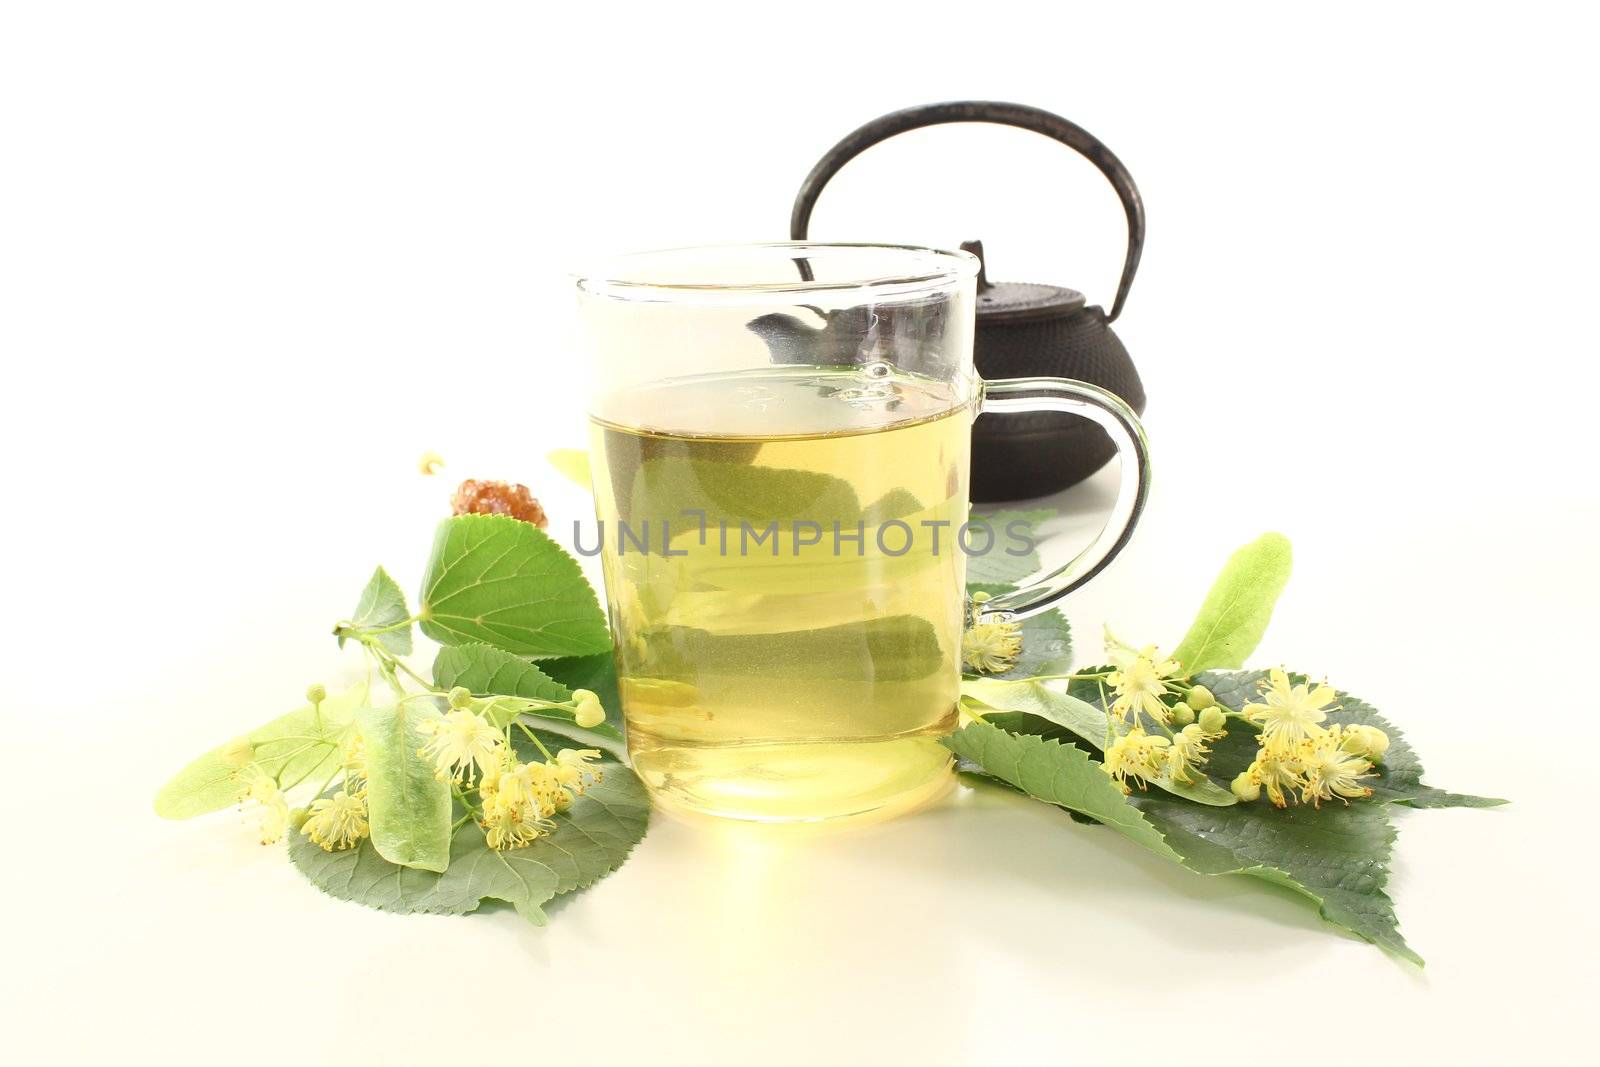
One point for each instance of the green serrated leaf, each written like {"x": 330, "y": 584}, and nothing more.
{"x": 597, "y": 673}
{"x": 1236, "y": 611}
{"x": 285, "y": 748}
{"x": 382, "y": 605}
{"x": 1336, "y": 855}
{"x": 1057, "y": 774}
{"x": 1400, "y": 773}
{"x": 496, "y": 580}
{"x": 485, "y": 670}
{"x": 1086, "y": 720}
{"x": 1006, "y": 561}
{"x": 408, "y": 805}
{"x": 591, "y": 839}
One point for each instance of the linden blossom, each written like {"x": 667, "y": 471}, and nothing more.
{"x": 973, "y": 538}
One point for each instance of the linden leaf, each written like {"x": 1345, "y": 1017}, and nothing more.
{"x": 496, "y": 580}
{"x": 382, "y": 605}
{"x": 1337, "y": 855}
{"x": 597, "y": 673}
{"x": 1083, "y": 719}
{"x": 408, "y": 805}
{"x": 1057, "y": 774}
{"x": 591, "y": 839}
{"x": 1236, "y": 611}
{"x": 291, "y": 748}
{"x": 487, "y": 671}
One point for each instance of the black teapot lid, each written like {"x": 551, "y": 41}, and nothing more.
{"x": 997, "y": 301}
{"x": 1019, "y": 301}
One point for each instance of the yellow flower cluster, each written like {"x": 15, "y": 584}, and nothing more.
{"x": 459, "y": 741}
{"x": 337, "y": 822}
{"x": 1185, "y": 729}
{"x": 991, "y": 647}
{"x": 1140, "y": 681}
{"x": 519, "y": 798}
{"x": 1298, "y": 758}
{"x": 340, "y": 821}
{"x": 256, "y": 785}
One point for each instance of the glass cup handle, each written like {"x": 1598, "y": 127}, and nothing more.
{"x": 1013, "y": 395}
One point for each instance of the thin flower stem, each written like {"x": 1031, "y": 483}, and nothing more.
{"x": 388, "y": 661}
{"x": 535, "y": 739}
{"x": 415, "y": 677}
{"x": 323, "y": 788}
{"x": 1111, "y": 730}
{"x": 386, "y": 668}
{"x": 472, "y": 809}
{"x": 1085, "y": 676}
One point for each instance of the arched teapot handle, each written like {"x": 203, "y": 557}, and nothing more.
{"x": 1019, "y": 115}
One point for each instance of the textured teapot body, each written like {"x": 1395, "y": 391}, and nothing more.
{"x": 1015, "y": 457}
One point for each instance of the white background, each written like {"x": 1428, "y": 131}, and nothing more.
{"x": 254, "y": 259}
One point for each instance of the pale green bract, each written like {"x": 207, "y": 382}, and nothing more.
{"x": 286, "y": 748}
{"x": 496, "y": 580}
{"x": 1238, "y": 608}
{"x": 590, "y": 840}
{"x": 408, "y": 804}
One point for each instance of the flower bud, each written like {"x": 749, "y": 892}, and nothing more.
{"x": 1368, "y": 741}
{"x": 1181, "y": 714}
{"x": 588, "y": 713}
{"x": 980, "y": 597}
{"x": 1200, "y": 698}
{"x": 460, "y": 697}
{"x": 1245, "y": 787}
{"x": 316, "y": 694}
{"x": 1212, "y": 721}
{"x": 297, "y": 817}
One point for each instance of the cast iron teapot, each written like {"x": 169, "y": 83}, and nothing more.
{"x": 1024, "y": 329}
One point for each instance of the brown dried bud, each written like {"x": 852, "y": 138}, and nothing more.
{"x": 498, "y": 498}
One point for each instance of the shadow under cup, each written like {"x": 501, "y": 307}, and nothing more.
{"x": 780, "y": 438}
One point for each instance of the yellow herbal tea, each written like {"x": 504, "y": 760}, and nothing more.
{"x": 785, "y": 587}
